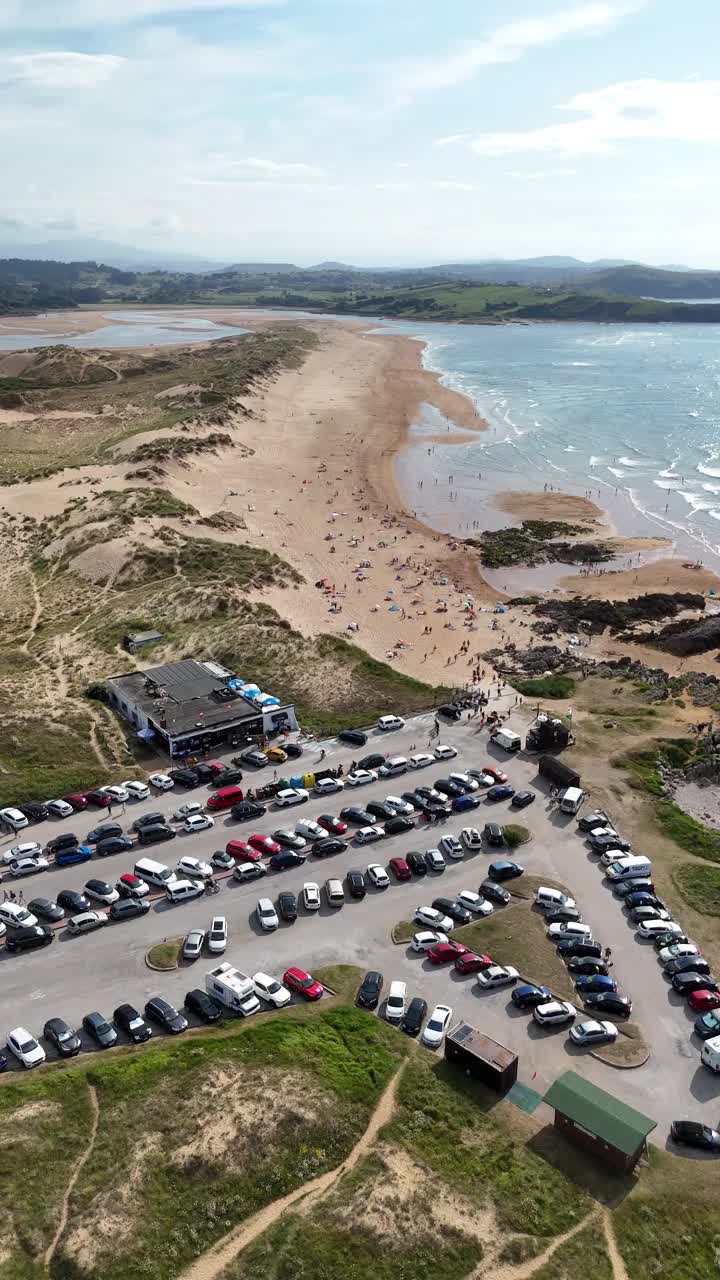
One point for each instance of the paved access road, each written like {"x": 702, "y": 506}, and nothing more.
{"x": 75, "y": 975}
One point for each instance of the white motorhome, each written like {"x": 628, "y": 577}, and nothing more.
{"x": 232, "y": 988}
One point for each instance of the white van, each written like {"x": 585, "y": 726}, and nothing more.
{"x": 391, "y": 768}
{"x": 182, "y": 890}
{"x": 552, "y": 899}
{"x": 710, "y": 1055}
{"x": 571, "y": 800}
{"x": 16, "y": 915}
{"x": 154, "y": 873}
{"x": 631, "y": 868}
{"x": 507, "y": 739}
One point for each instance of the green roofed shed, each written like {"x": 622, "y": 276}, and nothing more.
{"x": 598, "y": 1121}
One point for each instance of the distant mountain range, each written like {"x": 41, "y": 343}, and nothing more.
{"x": 83, "y": 249}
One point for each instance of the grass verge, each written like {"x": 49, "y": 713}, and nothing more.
{"x": 699, "y": 886}
{"x": 516, "y": 935}
{"x": 559, "y": 686}
{"x": 515, "y": 835}
{"x": 677, "y": 825}
{"x": 165, "y": 954}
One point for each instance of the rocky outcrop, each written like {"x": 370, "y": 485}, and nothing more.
{"x": 597, "y": 615}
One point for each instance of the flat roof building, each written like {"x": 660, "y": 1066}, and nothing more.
{"x": 190, "y": 706}
{"x": 599, "y": 1122}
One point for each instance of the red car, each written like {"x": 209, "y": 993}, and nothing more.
{"x": 472, "y": 963}
{"x": 497, "y": 774}
{"x": 131, "y": 886}
{"x": 335, "y": 826}
{"x": 239, "y": 849}
{"x": 100, "y": 798}
{"x": 702, "y": 1001}
{"x": 264, "y": 844}
{"x": 400, "y": 868}
{"x": 443, "y": 952}
{"x": 305, "y": 985}
{"x": 77, "y": 800}
{"x": 216, "y": 767}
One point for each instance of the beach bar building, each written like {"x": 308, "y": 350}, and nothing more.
{"x": 599, "y": 1122}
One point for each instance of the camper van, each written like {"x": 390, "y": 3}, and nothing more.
{"x": 232, "y": 988}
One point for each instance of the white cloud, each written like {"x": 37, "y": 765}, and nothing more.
{"x": 631, "y": 111}
{"x": 59, "y": 70}
{"x": 452, "y": 140}
{"x": 275, "y": 168}
{"x": 509, "y": 42}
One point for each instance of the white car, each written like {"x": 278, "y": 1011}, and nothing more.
{"x": 193, "y": 944}
{"x": 475, "y": 902}
{"x": 444, "y": 752}
{"x": 182, "y": 890}
{"x": 377, "y": 875}
{"x": 608, "y": 856}
{"x": 198, "y": 822}
{"x": 555, "y": 1013}
{"x": 677, "y": 951}
{"x": 435, "y": 860}
{"x": 482, "y": 778}
{"x": 217, "y": 935}
{"x": 649, "y": 928}
{"x": 497, "y": 975}
{"x": 360, "y": 777}
{"x": 311, "y": 896}
{"x": 593, "y": 1032}
{"x": 117, "y": 794}
{"x": 30, "y": 849}
{"x": 25, "y": 1048}
{"x": 310, "y": 830}
{"x": 161, "y": 781}
{"x": 14, "y": 819}
{"x": 450, "y": 846}
{"x": 471, "y": 838}
{"x": 87, "y": 922}
{"x": 267, "y": 916}
{"x": 16, "y": 915}
{"x": 552, "y": 899}
{"x": 392, "y": 768}
{"x": 428, "y": 938}
{"x": 366, "y": 835}
{"x": 28, "y": 866}
{"x": 395, "y": 1004}
{"x": 386, "y": 723}
{"x": 399, "y": 806}
{"x": 137, "y": 790}
{"x": 420, "y": 761}
{"x": 59, "y": 808}
{"x": 100, "y": 891}
{"x": 291, "y": 795}
{"x": 328, "y": 786}
{"x": 188, "y": 810}
{"x": 249, "y": 870}
{"x": 465, "y": 781}
{"x": 433, "y": 919}
{"x": 570, "y": 929}
{"x": 437, "y": 1025}
{"x": 195, "y": 868}
{"x": 271, "y": 990}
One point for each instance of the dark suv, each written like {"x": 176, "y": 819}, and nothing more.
{"x": 165, "y": 1015}
{"x": 415, "y": 1016}
{"x": 29, "y": 938}
{"x": 127, "y": 1018}
{"x": 66, "y": 840}
{"x": 156, "y": 834}
{"x": 62, "y": 1037}
{"x": 356, "y": 883}
{"x": 184, "y": 777}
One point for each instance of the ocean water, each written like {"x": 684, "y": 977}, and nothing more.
{"x": 629, "y": 413}
{"x": 132, "y": 329}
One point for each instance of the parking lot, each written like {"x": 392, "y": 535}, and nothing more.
{"x": 104, "y": 968}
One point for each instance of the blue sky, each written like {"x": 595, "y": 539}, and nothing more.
{"x": 376, "y": 131}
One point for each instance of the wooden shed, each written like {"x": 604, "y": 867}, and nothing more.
{"x": 599, "y": 1122}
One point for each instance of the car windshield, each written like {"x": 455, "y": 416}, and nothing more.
{"x": 65, "y": 1035}
{"x": 271, "y": 987}
{"x": 28, "y": 1046}
{"x": 134, "y": 1023}
{"x": 102, "y": 1028}
{"x": 435, "y": 1024}
{"x": 306, "y": 981}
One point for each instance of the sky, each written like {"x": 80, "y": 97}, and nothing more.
{"x": 377, "y": 132}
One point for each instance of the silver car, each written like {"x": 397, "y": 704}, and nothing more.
{"x": 193, "y": 944}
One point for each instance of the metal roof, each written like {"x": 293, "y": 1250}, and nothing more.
{"x": 481, "y": 1046}
{"x": 599, "y": 1112}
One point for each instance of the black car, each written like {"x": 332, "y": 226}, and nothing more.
{"x": 398, "y": 825}
{"x": 287, "y": 906}
{"x": 368, "y": 996}
{"x": 623, "y": 888}
{"x": 598, "y": 818}
{"x": 450, "y": 710}
{"x": 578, "y": 947}
{"x": 292, "y": 750}
{"x": 608, "y": 1002}
{"x": 447, "y": 787}
{"x": 685, "y": 983}
{"x": 128, "y": 908}
{"x": 66, "y": 840}
{"x": 103, "y": 832}
{"x": 432, "y": 810}
{"x": 28, "y": 938}
{"x": 285, "y": 859}
{"x": 416, "y": 863}
{"x": 415, "y": 1016}
{"x": 522, "y": 799}
{"x": 356, "y": 883}
{"x": 72, "y": 902}
{"x": 693, "y": 1134}
{"x": 686, "y": 964}
{"x": 380, "y": 810}
{"x": 34, "y": 811}
{"x": 505, "y": 870}
{"x": 563, "y": 915}
{"x": 354, "y": 737}
{"x": 373, "y": 761}
{"x": 165, "y": 1015}
{"x": 62, "y": 1037}
{"x": 410, "y": 797}
{"x": 452, "y": 908}
{"x": 228, "y": 778}
{"x": 127, "y": 1018}
{"x": 667, "y": 938}
{"x": 204, "y": 773}
{"x": 99, "y": 1030}
{"x": 147, "y": 820}
{"x": 587, "y": 965}
{"x": 157, "y": 834}
{"x": 599, "y": 843}
{"x": 327, "y": 846}
{"x": 493, "y": 833}
{"x": 356, "y": 815}
{"x": 708, "y": 1024}
{"x": 115, "y": 844}
{"x": 203, "y": 1006}
{"x": 184, "y": 777}
{"x": 246, "y": 810}
{"x": 494, "y": 892}
{"x": 643, "y": 898}
{"x": 46, "y": 909}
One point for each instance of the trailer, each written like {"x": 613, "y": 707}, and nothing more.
{"x": 557, "y": 772}
{"x": 481, "y": 1057}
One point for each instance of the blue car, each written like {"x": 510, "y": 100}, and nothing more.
{"x": 503, "y": 791}
{"x": 462, "y": 803}
{"x": 69, "y": 857}
{"x": 529, "y": 996}
{"x": 596, "y": 982}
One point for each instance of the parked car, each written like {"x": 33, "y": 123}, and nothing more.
{"x": 400, "y": 868}
{"x": 420, "y": 760}
{"x": 708, "y": 1024}
{"x": 448, "y": 788}
{"x": 282, "y": 861}
{"x": 311, "y": 896}
{"x": 686, "y": 964}
{"x": 137, "y": 790}
{"x": 161, "y": 781}
{"x": 434, "y": 860}
{"x": 270, "y": 990}
{"x": 613, "y": 1002}
{"x": 529, "y": 996}
{"x": 217, "y": 935}
{"x": 147, "y": 820}
{"x": 497, "y": 975}
{"x": 197, "y": 822}
{"x": 266, "y": 914}
{"x": 328, "y": 786}
{"x": 184, "y": 778}
{"x": 65, "y": 840}
{"x": 396, "y": 1003}
{"x": 453, "y": 908}
{"x": 414, "y": 1016}
{"x": 46, "y": 909}
{"x": 590, "y": 1033}
{"x": 471, "y": 838}
{"x": 131, "y": 886}
{"x": 302, "y": 983}
{"x": 361, "y": 777}
{"x": 287, "y": 906}
{"x": 501, "y": 791}
{"x": 494, "y": 892}
{"x": 264, "y": 845}
{"x": 328, "y": 823}
{"x": 472, "y": 962}
{"x": 354, "y": 737}
{"x": 29, "y": 938}
{"x": 398, "y": 825}
{"x": 290, "y": 796}
{"x": 203, "y": 1006}
{"x": 13, "y": 819}
{"x": 28, "y": 849}
{"x": 72, "y": 901}
{"x": 522, "y": 799}
{"x": 436, "y": 1026}
{"x": 100, "y": 1030}
{"x": 450, "y": 847}
{"x": 182, "y": 890}
{"x": 591, "y": 982}
{"x": 368, "y": 835}
{"x": 221, "y": 860}
{"x": 193, "y": 944}
{"x": 474, "y": 903}
{"x": 157, "y": 833}
{"x": 700, "y": 1001}
{"x": 61, "y": 808}
{"x": 356, "y": 816}
{"x": 388, "y": 723}
{"x": 563, "y": 915}
{"x": 127, "y": 1018}
{"x": 377, "y": 875}
{"x": 368, "y": 996}
{"x": 165, "y": 1015}
{"x": 199, "y": 870}
{"x": 585, "y": 965}
{"x": 494, "y": 834}
{"x": 574, "y": 946}
{"x": 35, "y": 811}
{"x": 505, "y": 870}
{"x": 73, "y": 856}
{"x": 247, "y": 810}
{"x": 129, "y": 908}
{"x": 427, "y": 938}
{"x": 329, "y": 846}
{"x": 101, "y": 891}
{"x": 112, "y": 845}
{"x": 416, "y": 863}
{"x": 433, "y": 919}
{"x": 685, "y": 983}
{"x": 693, "y": 1134}
{"x": 571, "y": 929}
{"x": 25, "y": 1048}
{"x": 444, "y": 752}
{"x": 554, "y": 1014}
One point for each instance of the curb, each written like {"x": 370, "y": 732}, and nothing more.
{"x": 160, "y": 968}
{"x": 620, "y": 1066}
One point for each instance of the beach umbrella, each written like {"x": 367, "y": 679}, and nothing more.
{"x": 393, "y": 609}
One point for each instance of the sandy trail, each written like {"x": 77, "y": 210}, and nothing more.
{"x": 525, "y": 1270}
{"x": 212, "y": 1263}
{"x": 614, "y": 1254}
{"x": 79, "y": 1165}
